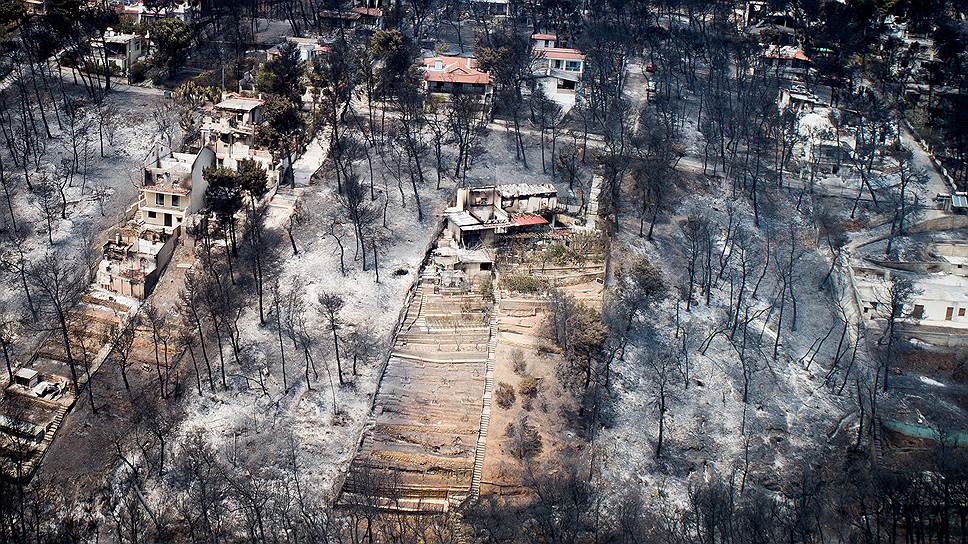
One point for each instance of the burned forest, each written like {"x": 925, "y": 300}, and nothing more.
{"x": 484, "y": 271}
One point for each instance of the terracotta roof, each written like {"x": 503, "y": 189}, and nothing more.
{"x": 787, "y": 53}
{"x": 370, "y": 12}
{"x": 539, "y": 36}
{"x": 562, "y": 53}
{"x": 528, "y": 219}
{"x": 455, "y": 70}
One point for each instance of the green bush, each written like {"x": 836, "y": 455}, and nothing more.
{"x": 559, "y": 254}
{"x": 137, "y": 72}
{"x": 524, "y": 284}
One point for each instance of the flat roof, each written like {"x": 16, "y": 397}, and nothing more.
{"x": 463, "y": 219}
{"x": 238, "y": 103}
{"x": 28, "y": 373}
{"x": 525, "y": 189}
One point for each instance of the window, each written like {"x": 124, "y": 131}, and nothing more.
{"x": 573, "y": 66}
{"x": 175, "y": 200}
{"x": 159, "y": 199}
{"x": 918, "y": 312}
{"x": 152, "y": 215}
{"x": 961, "y": 312}
{"x": 948, "y": 313}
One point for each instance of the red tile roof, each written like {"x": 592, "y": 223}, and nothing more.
{"x": 455, "y": 70}
{"x": 370, "y": 12}
{"x": 528, "y": 219}
{"x": 539, "y": 36}
{"x": 786, "y": 53}
{"x": 562, "y": 53}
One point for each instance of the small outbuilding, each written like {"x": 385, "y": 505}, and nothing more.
{"x": 26, "y": 377}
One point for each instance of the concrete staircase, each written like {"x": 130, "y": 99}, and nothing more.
{"x": 486, "y": 410}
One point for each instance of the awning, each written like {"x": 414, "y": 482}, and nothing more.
{"x": 528, "y": 219}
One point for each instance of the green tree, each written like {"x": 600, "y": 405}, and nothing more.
{"x": 282, "y": 128}
{"x": 335, "y": 80}
{"x": 172, "y": 39}
{"x": 253, "y": 181}
{"x": 390, "y": 49}
{"x": 224, "y": 197}
{"x": 11, "y": 11}
{"x": 282, "y": 74}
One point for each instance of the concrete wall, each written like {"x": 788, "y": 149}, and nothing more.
{"x": 205, "y": 158}
{"x": 164, "y": 257}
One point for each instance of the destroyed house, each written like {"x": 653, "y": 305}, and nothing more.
{"x": 230, "y": 129}
{"x": 21, "y": 429}
{"x": 134, "y": 258}
{"x": 827, "y": 153}
{"x": 482, "y": 212}
{"x": 496, "y": 8}
{"x": 236, "y": 114}
{"x": 786, "y": 62}
{"x": 799, "y": 99}
{"x": 26, "y": 378}
{"x": 174, "y": 188}
{"x": 371, "y": 18}
{"x": 308, "y": 49}
{"x": 345, "y": 19}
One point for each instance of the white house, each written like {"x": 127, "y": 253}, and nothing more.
{"x": 230, "y": 131}
{"x": 174, "y": 188}
{"x": 540, "y": 39}
{"x": 308, "y": 49}
{"x": 119, "y": 50}
{"x": 562, "y": 66}
{"x": 494, "y": 8}
{"x": 139, "y": 14}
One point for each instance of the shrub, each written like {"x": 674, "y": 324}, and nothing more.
{"x": 526, "y": 441}
{"x": 520, "y": 366}
{"x": 528, "y": 388}
{"x": 559, "y": 254}
{"x": 137, "y": 72}
{"x": 487, "y": 289}
{"x": 504, "y": 395}
{"x": 523, "y": 284}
